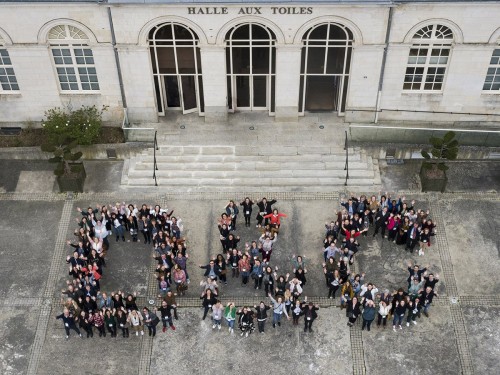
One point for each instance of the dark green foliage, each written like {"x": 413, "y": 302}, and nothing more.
{"x": 445, "y": 148}
{"x": 67, "y": 129}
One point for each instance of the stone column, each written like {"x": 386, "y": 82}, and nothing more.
{"x": 287, "y": 82}
{"x": 364, "y": 76}
{"x": 138, "y": 84}
{"x": 213, "y": 64}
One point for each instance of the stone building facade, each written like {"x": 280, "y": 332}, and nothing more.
{"x": 367, "y": 61}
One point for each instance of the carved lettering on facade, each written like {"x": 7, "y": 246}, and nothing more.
{"x": 250, "y": 10}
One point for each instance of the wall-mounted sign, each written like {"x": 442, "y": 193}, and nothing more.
{"x": 249, "y": 10}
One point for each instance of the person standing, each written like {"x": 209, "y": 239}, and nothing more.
{"x": 247, "y": 210}
{"x": 310, "y": 315}
{"x": 150, "y": 320}
{"x": 368, "y": 314}
{"x": 264, "y": 209}
{"x": 166, "y": 315}
{"x": 399, "y": 314}
{"x": 383, "y": 312}
{"x": 381, "y": 221}
{"x": 84, "y": 323}
{"x": 135, "y": 320}
{"x": 69, "y": 323}
{"x": 257, "y": 274}
{"x": 217, "y": 315}
{"x": 413, "y": 311}
{"x": 121, "y": 320}
{"x": 275, "y": 220}
{"x": 261, "y": 314}
{"x": 230, "y": 316}
{"x": 170, "y": 300}
{"x": 98, "y": 320}
{"x": 110, "y": 322}
{"x": 208, "y": 301}
{"x": 353, "y": 311}
{"x": 278, "y": 310}
{"x": 232, "y": 211}
{"x": 426, "y": 299}
{"x": 245, "y": 321}
{"x": 413, "y": 237}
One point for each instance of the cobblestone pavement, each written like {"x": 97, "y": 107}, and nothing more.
{"x": 461, "y": 335}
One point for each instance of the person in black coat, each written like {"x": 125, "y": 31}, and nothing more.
{"x": 209, "y": 300}
{"x": 211, "y": 270}
{"x": 261, "y": 314}
{"x": 69, "y": 323}
{"x": 84, "y": 323}
{"x": 245, "y": 321}
{"x": 413, "y": 237}
{"x": 381, "y": 221}
{"x": 264, "y": 209}
{"x": 353, "y": 311}
{"x": 247, "y": 210}
{"x": 309, "y": 312}
{"x": 166, "y": 315}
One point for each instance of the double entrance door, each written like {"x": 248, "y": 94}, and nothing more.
{"x": 177, "y": 92}
{"x": 250, "y": 92}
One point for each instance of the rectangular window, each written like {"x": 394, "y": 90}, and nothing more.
{"x": 426, "y": 67}
{"x": 492, "y": 80}
{"x": 8, "y": 81}
{"x": 75, "y": 68}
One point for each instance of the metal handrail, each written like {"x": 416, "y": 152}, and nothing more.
{"x": 346, "y": 168}
{"x": 155, "y": 166}
{"x": 125, "y": 118}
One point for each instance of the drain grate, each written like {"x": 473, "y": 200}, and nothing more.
{"x": 111, "y": 153}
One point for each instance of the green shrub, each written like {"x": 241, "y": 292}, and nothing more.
{"x": 82, "y": 126}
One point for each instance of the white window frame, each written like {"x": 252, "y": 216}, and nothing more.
{"x": 270, "y": 75}
{"x": 7, "y": 73}
{"x": 327, "y": 44}
{"x": 493, "y": 77}
{"x": 77, "y": 59}
{"x": 426, "y": 55}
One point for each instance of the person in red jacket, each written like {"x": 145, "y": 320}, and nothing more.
{"x": 275, "y": 220}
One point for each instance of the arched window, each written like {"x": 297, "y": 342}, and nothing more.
{"x": 8, "y": 81}
{"x": 492, "y": 81}
{"x": 73, "y": 59}
{"x": 250, "y": 66}
{"x": 176, "y": 61}
{"x": 324, "y": 72}
{"x": 428, "y": 59}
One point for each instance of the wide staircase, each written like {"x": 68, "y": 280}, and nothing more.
{"x": 307, "y": 156}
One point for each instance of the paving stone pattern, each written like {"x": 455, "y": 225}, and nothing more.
{"x": 463, "y": 324}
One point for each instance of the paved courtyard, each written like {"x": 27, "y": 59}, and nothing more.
{"x": 462, "y": 334}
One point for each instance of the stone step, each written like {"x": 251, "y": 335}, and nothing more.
{"x": 196, "y": 150}
{"x": 247, "y": 184}
{"x": 243, "y": 150}
{"x": 148, "y": 155}
{"x": 252, "y": 165}
{"x": 225, "y": 174}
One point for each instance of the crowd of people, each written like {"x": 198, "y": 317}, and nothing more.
{"x": 395, "y": 220}
{"x": 87, "y": 308}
